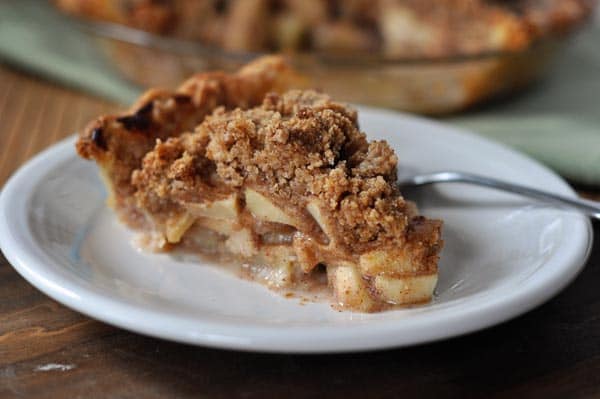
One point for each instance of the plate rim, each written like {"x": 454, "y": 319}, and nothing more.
{"x": 265, "y": 339}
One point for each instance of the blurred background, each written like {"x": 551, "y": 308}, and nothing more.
{"x": 523, "y": 72}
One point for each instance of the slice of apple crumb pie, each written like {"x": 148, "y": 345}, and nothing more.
{"x": 235, "y": 167}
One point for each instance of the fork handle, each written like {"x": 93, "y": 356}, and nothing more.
{"x": 590, "y": 208}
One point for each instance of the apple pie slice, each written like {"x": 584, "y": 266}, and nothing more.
{"x": 284, "y": 185}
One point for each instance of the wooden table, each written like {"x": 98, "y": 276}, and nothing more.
{"x": 49, "y": 351}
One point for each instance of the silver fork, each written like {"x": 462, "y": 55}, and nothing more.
{"x": 590, "y": 208}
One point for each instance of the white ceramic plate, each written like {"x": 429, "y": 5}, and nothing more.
{"x": 503, "y": 255}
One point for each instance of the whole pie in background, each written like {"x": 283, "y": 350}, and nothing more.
{"x": 425, "y": 56}
{"x": 395, "y": 28}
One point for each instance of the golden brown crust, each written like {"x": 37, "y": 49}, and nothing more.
{"x": 119, "y": 142}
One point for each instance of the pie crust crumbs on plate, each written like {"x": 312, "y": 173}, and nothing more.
{"x": 281, "y": 182}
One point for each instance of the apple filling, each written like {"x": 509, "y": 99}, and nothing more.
{"x": 263, "y": 238}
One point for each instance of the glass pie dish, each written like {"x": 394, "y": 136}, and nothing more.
{"x": 421, "y": 83}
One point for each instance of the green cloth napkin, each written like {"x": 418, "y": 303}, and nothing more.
{"x": 556, "y": 122}
{"x": 35, "y": 37}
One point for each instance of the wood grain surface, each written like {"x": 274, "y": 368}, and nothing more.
{"x": 49, "y": 351}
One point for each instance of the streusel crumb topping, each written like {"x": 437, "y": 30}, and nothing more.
{"x": 292, "y": 148}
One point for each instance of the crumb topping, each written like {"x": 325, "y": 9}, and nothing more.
{"x": 292, "y": 148}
